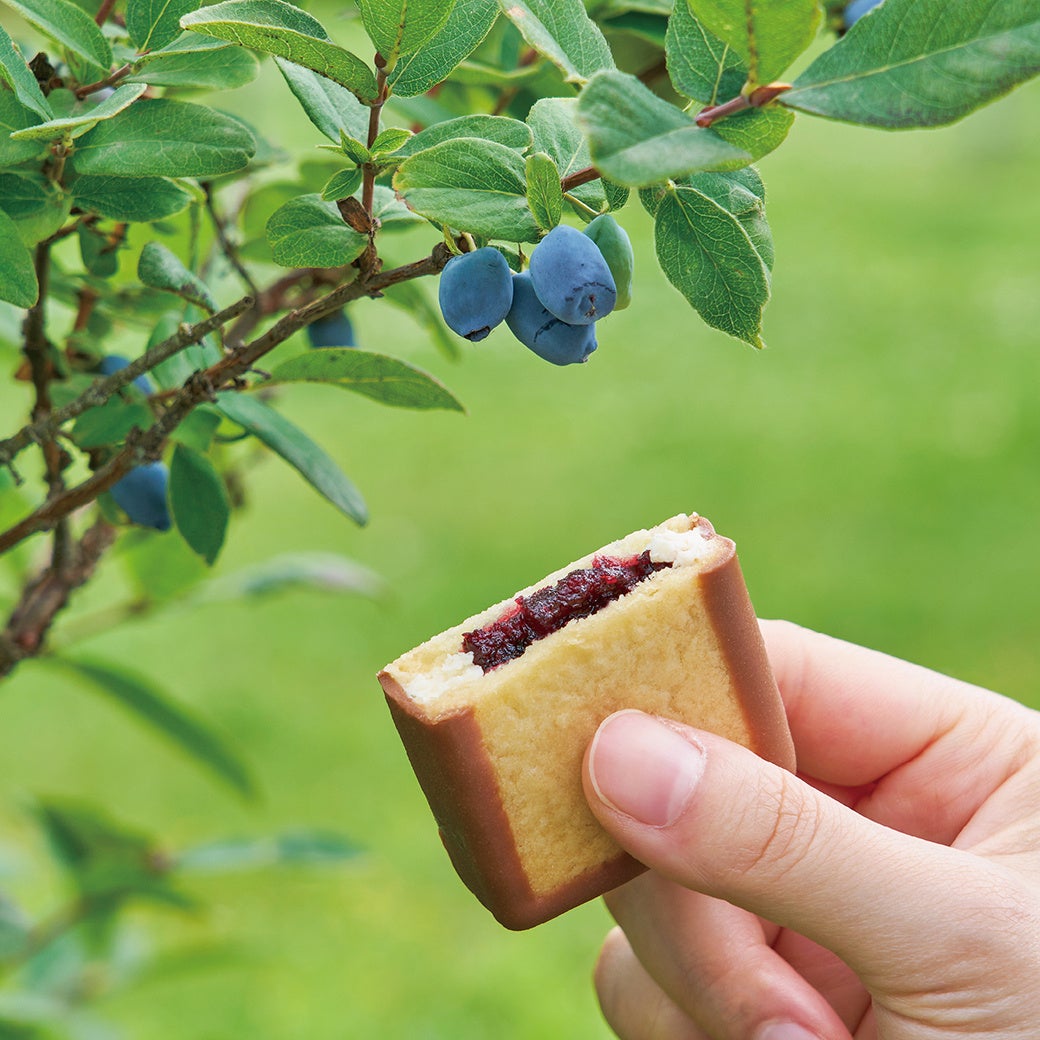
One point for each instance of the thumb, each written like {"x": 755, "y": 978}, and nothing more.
{"x": 713, "y": 817}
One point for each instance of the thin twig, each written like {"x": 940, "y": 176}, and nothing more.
{"x": 226, "y": 247}
{"x": 201, "y": 386}
{"x": 47, "y": 595}
{"x": 102, "y": 389}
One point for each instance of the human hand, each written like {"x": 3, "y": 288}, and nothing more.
{"x": 890, "y": 892}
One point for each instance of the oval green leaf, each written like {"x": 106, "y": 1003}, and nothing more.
{"x": 286, "y": 439}
{"x": 281, "y": 29}
{"x": 199, "y": 501}
{"x": 915, "y": 63}
{"x": 384, "y": 379}
{"x": 309, "y": 231}
{"x": 165, "y": 138}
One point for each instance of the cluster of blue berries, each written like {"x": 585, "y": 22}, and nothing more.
{"x": 572, "y": 281}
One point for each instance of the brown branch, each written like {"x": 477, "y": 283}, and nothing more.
{"x": 99, "y": 392}
{"x": 200, "y": 387}
{"x": 579, "y": 177}
{"x": 229, "y": 251}
{"x": 108, "y": 81}
{"x": 758, "y": 98}
{"x": 104, "y": 11}
{"x": 47, "y": 595}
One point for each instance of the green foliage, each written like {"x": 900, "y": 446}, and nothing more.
{"x": 137, "y": 215}
{"x": 920, "y": 63}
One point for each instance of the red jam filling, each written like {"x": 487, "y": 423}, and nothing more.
{"x": 576, "y": 595}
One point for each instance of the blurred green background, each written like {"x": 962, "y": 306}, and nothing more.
{"x": 877, "y": 466}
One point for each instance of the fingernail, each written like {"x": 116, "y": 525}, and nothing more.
{"x": 643, "y": 768}
{"x": 785, "y": 1031}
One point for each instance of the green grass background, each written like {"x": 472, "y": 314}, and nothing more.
{"x": 877, "y": 465}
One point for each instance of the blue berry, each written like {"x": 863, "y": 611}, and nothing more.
{"x": 334, "y": 330}
{"x": 115, "y": 363}
{"x": 141, "y": 494}
{"x": 476, "y": 292}
{"x": 571, "y": 277}
{"x": 856, "y": 10}
{"x": 543, "y": 332}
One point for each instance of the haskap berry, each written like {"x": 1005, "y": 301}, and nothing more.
{"x": 613, "y": 242}
{"x": 476, "y": 292}
{"x": 571, "y": 277}
{"x": 544, "y": 333}
{"x": 334, "y": 330}
{"x": 141, "y": 494}
{"x": 115, "y": 363}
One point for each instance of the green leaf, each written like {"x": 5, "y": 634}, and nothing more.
{"x": 768, "y": 36}
{"x": 755, "y": 131}
{"x": 143, "y": 699}
{"x": 916, "y": 63}
{"x": 164, "y": 138}
{"x": 561, "y": 31}
{"x": 472, "y": 185}
{"x": 353, "y": 149}
{"x": 708, "y": 232}
{"x": 14, "y": 116}
{"x": 14, "y": 71}
{"x": 402, "y": 27}
{"x": 18, "y": 283}
{"x": 110, "y": 422}
{"x": 121, "y": 98}
{"x": 509, "y": 132}
{"x": 389, "y": 210}
{"x": 330, "y": 107}
{"x": 319, "y": 571}
{"x": 152, "y": 24}
{"x": 201, "y": 508}
{"x": 222, "y": 68}
{"x": 385, "y": 379}
{"x": 293, "y": 849}
{"x": 544, "y": 194}
{"x": 37, "y": 209}
{"x": 342, "y": 185}
{"x": 131, "y": 199}
{"x": 552, "y": 122}
{"x": 636, "y": 138}
{"x": 309, "y": 231}
{"x": 99, "y": 254}
{"x": 279, "y": 28}
{"x": 700, "y": 65}
{"x": 23, "y": 195}
{"x": 70, "y": 26}
{"x": 292, "y": 444}
{"x": 160, "y": 269}
{"x": 198, "y": 429}
{"x": 467, "y": 25}
{"x": 390, "y": 141}
{"x": 107, "y": 861}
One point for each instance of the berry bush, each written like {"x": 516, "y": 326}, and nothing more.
{"x": 159, "y": 255}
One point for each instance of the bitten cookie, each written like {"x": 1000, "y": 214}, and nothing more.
{"x": 495, "y": 714}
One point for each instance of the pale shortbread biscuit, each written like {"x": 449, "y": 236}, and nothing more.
{"x": 499, "y": 754}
